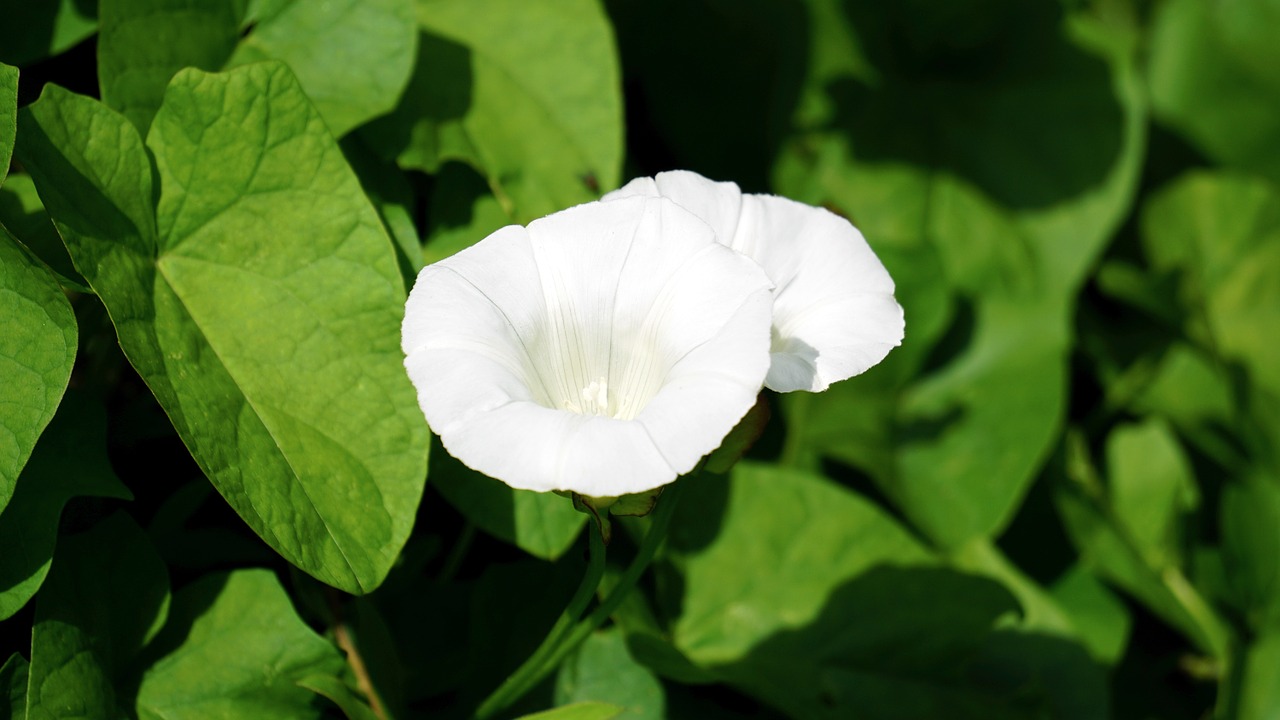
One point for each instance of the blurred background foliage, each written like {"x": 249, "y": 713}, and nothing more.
{"x": 1059, "y": 498}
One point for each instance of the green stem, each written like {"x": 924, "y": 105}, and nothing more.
{"x": 569, "y": 632}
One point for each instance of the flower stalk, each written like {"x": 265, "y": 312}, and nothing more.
{"x": 570, "y": 631}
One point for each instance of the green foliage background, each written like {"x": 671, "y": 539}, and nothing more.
{"x": 1059, "y": 498}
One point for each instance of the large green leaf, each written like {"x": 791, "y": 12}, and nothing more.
{"x": 353, "y": 57}
{"x": 37, "y": 349}
{"x": 260, "y": 300}
{"x": 106, "y": 598}
{"x": 69, "y": 461}
{"x": 142, "y": 44}
{"x": 234, "y": 647}
{"x": 1011, "y": 185}
{"x": 33, "y": 30}
{"x": 813, "y": 600}
{"x": 1213, "y": 77}
{"x": 786, "y": 540}
{"x": 526, "y": 91}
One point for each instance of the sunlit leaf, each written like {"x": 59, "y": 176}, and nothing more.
{"x": 1150, "y": 489}
{"x": 292, "y": 398}
{"x": 235, "y": 647}
{"x": 811, "y": 535}
{"x": 1222, "y": 233}
{"x": 352, "y": 57}
{"x": 525, "y": 91}
{"x": 1213, "y": 77}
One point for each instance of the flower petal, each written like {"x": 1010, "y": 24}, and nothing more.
{"x": 834, "y": 314}
{"x": 718, "y": 204}
{"x": 834, "y": 311}
{"x": 510, "y": 342}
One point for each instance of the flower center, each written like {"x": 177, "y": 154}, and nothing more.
{"x": 593, "y": 399}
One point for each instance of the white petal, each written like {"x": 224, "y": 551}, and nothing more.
{"x": 537, "y": 353}
{"x": 834, "y": 312}
{"x": 714, "y": 385}
{"x": 465, "y": 329}
{"x": 717, "y": 203}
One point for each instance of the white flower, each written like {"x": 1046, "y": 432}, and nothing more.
{"x": 834, "y": 312}
{"x": 604, "y": 349}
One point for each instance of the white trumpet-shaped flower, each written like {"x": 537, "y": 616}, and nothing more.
{"x": 604, "y": 349}
{"x": 834, "y": 312}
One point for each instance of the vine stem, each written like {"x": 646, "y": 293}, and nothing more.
{"x": 569, "y": 631}
{"x": 342, "y": 635}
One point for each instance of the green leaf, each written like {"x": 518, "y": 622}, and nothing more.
{"x": 35, "y": 30}
{"x": 392, "y": 194}
{"x": 13, "y": 685}
{"x": 1260, "y": 687}
{"x": 8, "y": 115}
{"x": 1150, "y": 488}
{"x": 527, "y": 92}
{"x": 23, "y": 214}
{"x": 37, "y": 349}
{"x": 69, "y": 461}
{"x": 235, "y": 647}
{"x": 578, "y": 711}
{"x": 105, "y": 599}
{"x": 352, "y": 57}
{"x": 1222, "y": 233}
{"x": 904, "y": 643}
{"x": 142, "y": 44}
{"x": 1108, "y": 548}
{"x": 292, "y": 399}
{"x": 602, "y": 669}
{"x": 542, "y": 524}
{"x": 1101, "y": 619}
{"x": 939, "y": 169}
{"x": 810, "y": 536}
{"x": 1250, "y": 522}
{"x": 344, "y": 697}
{"x": 1213, "y": 78}
{"x": 1187, "y": 390}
